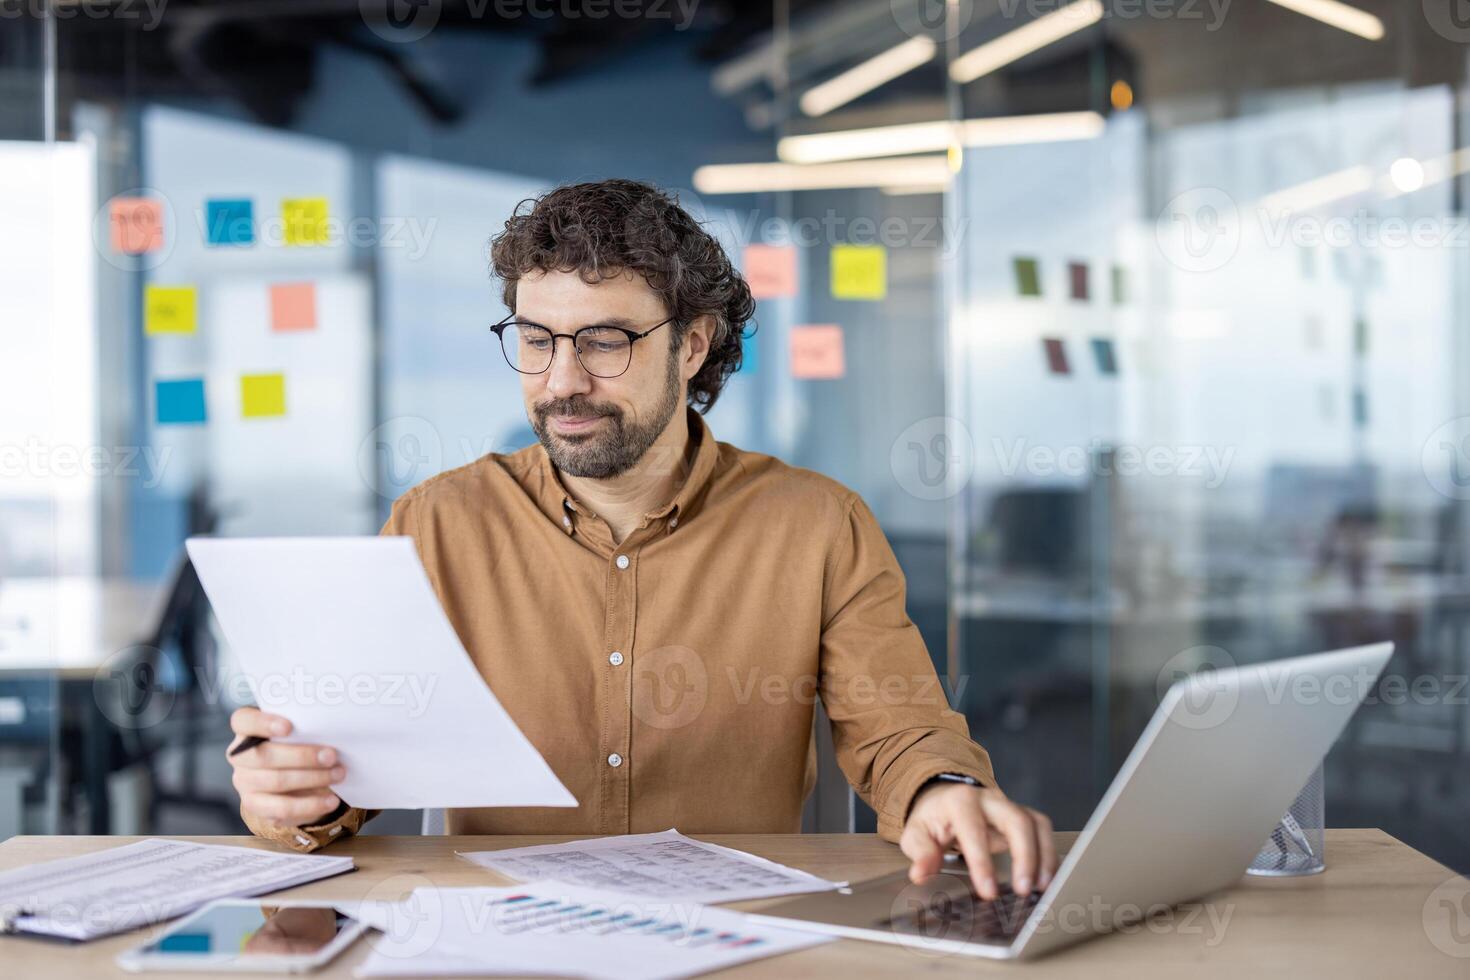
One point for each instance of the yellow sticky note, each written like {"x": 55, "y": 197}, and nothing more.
{"x": 262, "y": 396}
{"x": 859, "y": 272}
{"x": 170, "y": 309}
{"x": 305, "y": 220}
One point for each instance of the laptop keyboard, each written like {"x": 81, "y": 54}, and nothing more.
{"x": 965, "y": 917}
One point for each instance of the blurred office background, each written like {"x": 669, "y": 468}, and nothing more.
{"x": 1142, "y": 328}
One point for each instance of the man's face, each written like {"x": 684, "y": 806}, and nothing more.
{"x": 599, "y": 427}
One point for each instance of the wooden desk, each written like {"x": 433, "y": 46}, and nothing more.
{"x": 1369, "y": 915}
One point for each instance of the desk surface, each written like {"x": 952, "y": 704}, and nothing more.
{"x": 70, "y": 625}
{"x": 1375, "y": 912}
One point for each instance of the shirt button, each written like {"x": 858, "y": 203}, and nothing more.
{"x": 673, "y": 523}
{"x": 615, "y": 760}
{"x": 622, "y": 561}
{"x": 616, "y": 659}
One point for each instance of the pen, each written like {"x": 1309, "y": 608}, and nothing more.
{"x": 250, "y": 742}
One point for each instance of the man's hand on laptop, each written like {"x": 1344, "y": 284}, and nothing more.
{"x": 980, "y": 821}
{"x": 281, "y": 783}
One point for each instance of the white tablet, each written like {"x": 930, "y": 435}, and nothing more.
{"x": 251, "y": 935}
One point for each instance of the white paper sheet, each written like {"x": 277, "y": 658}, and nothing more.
{"x": 143, "y": 883}
{"x": 346, "y": 638}
{"x": 553, "y": 928}
{"x": 666, "y": 865}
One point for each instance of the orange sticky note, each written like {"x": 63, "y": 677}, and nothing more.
{"x": 293, "y": 306}
{"x": 137, "y": 225}
{"x": 262, "y": 395}
{"x": 816, "y": 352}
{"x": 770, "y": 271}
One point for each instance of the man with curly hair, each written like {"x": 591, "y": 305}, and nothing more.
{"x": 657, "y": 610}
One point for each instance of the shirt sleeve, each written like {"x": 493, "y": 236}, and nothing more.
{"x": 313, "y": 837}
{"x": 891, "y": 722}
{"x": 349, "y": 820}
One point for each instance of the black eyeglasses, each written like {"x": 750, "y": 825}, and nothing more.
{"x": 603, "y": 351}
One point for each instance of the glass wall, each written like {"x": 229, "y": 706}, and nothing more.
{"x": 1206, "y": 366}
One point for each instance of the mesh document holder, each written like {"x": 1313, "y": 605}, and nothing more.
{"x": 1295, "y": 846}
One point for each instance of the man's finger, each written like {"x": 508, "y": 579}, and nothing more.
{"x": 252, "y": 721}
{"x": 920, "y": 847}
{"x": 969, "y": 826}
{"x": 286, "y": 780}
{"x": 1048, "y": 847}
{"x": 1014, "y": 821}
{"x": 289, "y": 810}
{"x": 280, "y": 755}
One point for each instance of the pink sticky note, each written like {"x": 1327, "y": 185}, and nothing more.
{"x": 137, "y": 225}
{"x": 293, "y": 306}
{"x": 816, "y": 351}
{"x": 771, "y": 271}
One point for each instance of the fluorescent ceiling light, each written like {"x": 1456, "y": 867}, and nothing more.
{"x": 862, "y": 79}
{"x": 750, "y": 178}
{"x": 1321, "y": 190}
{"x": 1339, "y": 15}
{"x": 1436, "y": 170}
{"x": 902, "y": 191}
{"x": 1034, "y": 36}
{"x": 928, "y": 137}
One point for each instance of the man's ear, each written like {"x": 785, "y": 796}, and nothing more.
{"x": 697, "y": 340}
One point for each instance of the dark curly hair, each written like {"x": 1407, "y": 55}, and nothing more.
{"x": 602, "y": 228}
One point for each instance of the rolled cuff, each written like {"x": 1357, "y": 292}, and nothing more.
{"x": 895, "y": 811}
{"x": 313, "y": 837}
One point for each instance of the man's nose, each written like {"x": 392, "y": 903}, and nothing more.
{"x": 566, "y": 376}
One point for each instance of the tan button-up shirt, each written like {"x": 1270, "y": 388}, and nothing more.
{"x": 670, "y": 679}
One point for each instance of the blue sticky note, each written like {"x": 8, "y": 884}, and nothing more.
{"x": 229, "y": 222}
{"x": 180, "y": 402}
{"x": 749, "y": 349}
{"x": 1102, "y": 352}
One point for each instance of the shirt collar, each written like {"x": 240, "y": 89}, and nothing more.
{"x": 557, "y": 503}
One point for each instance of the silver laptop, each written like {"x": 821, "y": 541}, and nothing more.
{"x": 1219, "y": 763}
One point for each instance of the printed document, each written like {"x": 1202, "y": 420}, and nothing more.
{"x": 145, "y": 883}
{"x": 553, "y": 928}
{"x": 667, "y": 865}
{"x": 346, "y": 638}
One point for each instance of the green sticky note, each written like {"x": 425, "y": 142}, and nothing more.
{"x": 1028, "y": 276}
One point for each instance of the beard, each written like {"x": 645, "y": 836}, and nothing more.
{"x": 615, "y": 447}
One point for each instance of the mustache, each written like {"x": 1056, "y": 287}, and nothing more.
{"x": 577, "y": 405}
